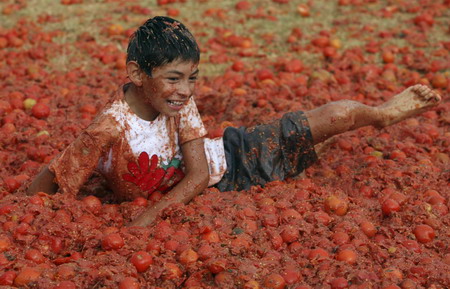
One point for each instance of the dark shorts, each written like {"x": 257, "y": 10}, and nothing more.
{"x": 266, "y": 153}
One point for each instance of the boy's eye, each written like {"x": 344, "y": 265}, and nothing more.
{"x": 172, "y": 78}
{"x": 194, "y": 78}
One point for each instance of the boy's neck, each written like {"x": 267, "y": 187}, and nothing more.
{"x": 134, "y": 99}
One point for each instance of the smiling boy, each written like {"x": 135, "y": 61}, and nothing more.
{"x": 150, "y": 138}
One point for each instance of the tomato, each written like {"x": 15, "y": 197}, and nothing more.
{"x": 339, "y": 283}
{"x": 205, "y": 252}
{"x": 347, "y": 255}
{"x": 291, "y": 276}
{"x": 290, "y": 234}
{"x": 390, "y": 206}
{"x": 141, "y": 260}
{"x": 92, "y": 203}
{"x": 129, "y": 283}
{"x": 172, "y": 271}
{"x": 274, "y": 281}
{"x": 66, "y": 285}
{"x": 243, "y": 5}
{"x": 318, "y": 254}
{"x": 424, "y": 233}
{"x": 35, "y": 256}
{"x": 212, "y": 237}
{"x": 40, "y": 110}
{"x": 335, "y": 205}
{"x": 368, "y": 228}
{"x": 140, "y": 201}
{"x": 217, "y": 265}
{"x": 5, "y": 243}
{"x": 26, "y": 276}
{"x": 7, "y": 278}
{"x": 341, "y": 238}
{"x": 188, "y": 256}
{"x": 112, "y": 241}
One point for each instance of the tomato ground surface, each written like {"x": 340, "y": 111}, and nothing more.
{"x": 371, "y": 213}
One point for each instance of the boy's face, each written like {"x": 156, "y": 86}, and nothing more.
{"x": 170, "y": 87}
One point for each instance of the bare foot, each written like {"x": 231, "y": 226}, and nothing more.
{"x": 410, "y": 102}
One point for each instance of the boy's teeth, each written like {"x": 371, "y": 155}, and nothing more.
{"x": 176, "y": 102}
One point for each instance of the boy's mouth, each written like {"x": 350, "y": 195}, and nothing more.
{"x": 176, "y": 103}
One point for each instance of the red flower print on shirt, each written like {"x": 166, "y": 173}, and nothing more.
{"x": 149, "y": 177}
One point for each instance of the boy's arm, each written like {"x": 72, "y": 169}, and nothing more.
{"x": 195, "y": 181}
{"x": 43, "y": 182}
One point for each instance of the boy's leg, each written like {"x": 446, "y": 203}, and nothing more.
{"x": 345, "y": 115}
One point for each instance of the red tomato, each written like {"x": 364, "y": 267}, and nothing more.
{"x": 40, "y": 110}
{"x": 217, "y": 265}
{"x": 66, "y": 285}
{"x": 129, "y": 283}
{"x": 290, "y": 234}
{"x": 341, "y": 238}
{"x": 291, "y": 276}
{"x": 26, "y": 276}
{"x": 368, "y": 228}
{"x": 390, "y": 206}
{"x": 335, "y": 205}
{"x": 141, "y": 260}
{"x": 172, "y": 271}
{"x": 7, "y": 278}
{"x": 188, "y": 256}
{"x": 112, "y": 241}
{"x": 140, "y": 201}
{"x": 35, "y": 256}
{"x": 92, "y": 203}
{"x": 339, "y": 283}
{"x": 347, "y": 255}
{"x": 318, "y": 254}
{"x": 274, "y": 281}
{"x": 424, "y": 233}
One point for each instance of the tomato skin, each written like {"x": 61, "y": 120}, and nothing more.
{"x": 368, "y": 228}
{"x": 339, "y": 283}
{"x": 172, "y": 271}
{"x": 26, "y": 276}
{"x": 274, "y": 281}
{"x": 141, "y": 260}
{"x": 65, "y": 285}
{"x": 348, "y": 256}
{"x": 318, "y": 254}
{"x": 217, "y": 265}
{"x": 7, "y": 278}
{"x": 35, "y": 256}
{"x": 40, "y": 110}
{"x": 93, "y": 204}
{"x": 390, "y": 206}
{"x": 129, "y": 283}
{"x": 112, "y": 241}
{"x": 424, "y": 233}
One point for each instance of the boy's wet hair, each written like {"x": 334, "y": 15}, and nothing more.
{"x": 159, "y": 41}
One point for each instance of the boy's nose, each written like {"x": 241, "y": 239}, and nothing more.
{"x": 185, "y": 90}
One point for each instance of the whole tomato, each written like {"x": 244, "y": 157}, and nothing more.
{"x": 112, "y": 241}
{"x": 141, "y": 260}
{"x": 424, "y": 233}
{"x": 7, "y": 278}
{"x": 129, "y": 283}
{"x": 40, "y": 110}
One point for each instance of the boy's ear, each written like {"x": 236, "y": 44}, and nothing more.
{"x": 134, "y": 73}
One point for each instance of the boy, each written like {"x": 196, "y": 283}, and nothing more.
{"x": 150, "y": 138}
